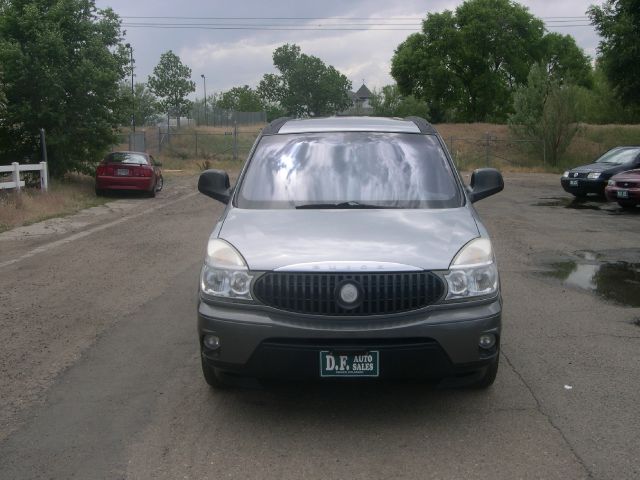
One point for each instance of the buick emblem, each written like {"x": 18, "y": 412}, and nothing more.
{"x": 348, "y": 294}
{"x": 575, "y": 174}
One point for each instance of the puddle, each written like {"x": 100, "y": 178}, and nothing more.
{"x": 618, "y": 281}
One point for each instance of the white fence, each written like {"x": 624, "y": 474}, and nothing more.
{"x": 15, "y": 168}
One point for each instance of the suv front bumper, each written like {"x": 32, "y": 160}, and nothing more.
{"x": 435, "y": 342}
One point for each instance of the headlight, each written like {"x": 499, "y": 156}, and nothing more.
{"x": 473, "y": 272}
{"x": 225, "y": 273}
{"x": 565, "y": 174}
{"x": 611, "y": 183}
{"x": 594, "y": 175}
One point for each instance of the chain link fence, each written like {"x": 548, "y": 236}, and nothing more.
{"x": 232, "y": 143}
{"x": 217, "y": 117}
{"x": 488, "y": 150}
{"x": 492, "y": 151}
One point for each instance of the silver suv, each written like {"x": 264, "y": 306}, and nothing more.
{"x": 350, "y": 248}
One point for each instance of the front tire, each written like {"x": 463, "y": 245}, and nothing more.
{"x": 159, "y": 183}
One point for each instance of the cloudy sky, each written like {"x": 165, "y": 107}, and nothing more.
{"x": 238, "y": 38}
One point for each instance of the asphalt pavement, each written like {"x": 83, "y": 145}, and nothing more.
{"x": 100, "y": 375}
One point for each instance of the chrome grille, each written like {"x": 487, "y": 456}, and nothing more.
{"x": 315, "y": 293}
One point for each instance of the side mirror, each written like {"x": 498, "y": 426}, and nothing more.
{"x": 484, "y": 183}
{"x": 157, "y": 164}
{"x": 215, "y": 184}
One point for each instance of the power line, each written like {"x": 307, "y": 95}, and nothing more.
{"x": 280, "y": 25}
{"x": 177, "y": 17}
{"x": 293, "y": 28}
{"x": 307, "y": 23}
{"x": 186, "y": 26}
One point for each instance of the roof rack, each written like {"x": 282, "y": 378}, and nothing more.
{"x": 274, "y": 127}
{"x": 422, "y": 124}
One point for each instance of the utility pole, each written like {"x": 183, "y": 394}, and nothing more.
{"x": 133, "y": 97}
{"x": 204, "y": 80}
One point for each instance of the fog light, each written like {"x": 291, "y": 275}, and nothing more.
{"x": 211, "y": 342}
{"x": 487, "y": 341}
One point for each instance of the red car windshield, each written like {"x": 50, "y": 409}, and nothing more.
{"x": 123, "y": 157}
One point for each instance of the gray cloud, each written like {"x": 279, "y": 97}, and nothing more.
{"x": 237, "y": 57}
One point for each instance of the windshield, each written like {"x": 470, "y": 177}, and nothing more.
{"x": 126, "y": 157}
{"x": 620, "y": 155}
{"x": 349, "y": 170}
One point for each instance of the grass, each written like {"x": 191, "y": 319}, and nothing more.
{"x": 172, "y": 166}
{"x": 469, "y": 146}
{"x": 65, "y": 197}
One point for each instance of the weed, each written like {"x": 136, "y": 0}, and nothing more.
{"x": 205, "y": 165}
{"x": 65, "y": 196}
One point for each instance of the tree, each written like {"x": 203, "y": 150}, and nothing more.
{"x": 3, "y": 99}
{"x": 61, "y": 62}
{"x": 171, "y": 81}
{"x": 565, "y": 61}
{"x": 241, "y": 99}
{"x": 466, "y": 64}
{"x": 144, "y": 104}
{"x": 305, "y": 85}
{"x": 545, "y": 110}
{"x": 617, "y": 22}
{"x": 600, "y": 105}
{"x": 390, "y": 103}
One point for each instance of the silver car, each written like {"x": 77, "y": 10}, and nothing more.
{"x": 350, "y": 249}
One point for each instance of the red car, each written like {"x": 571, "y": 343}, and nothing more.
{"x": 624, "y": 188}
{"x": 129, "y": 171}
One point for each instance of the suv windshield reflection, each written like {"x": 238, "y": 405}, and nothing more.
{"x": 349, "y": 170}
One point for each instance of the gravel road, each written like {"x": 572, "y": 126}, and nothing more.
{"x": 99, "y": 369}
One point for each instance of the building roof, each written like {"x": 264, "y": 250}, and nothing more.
{"x": 364, "y": 92}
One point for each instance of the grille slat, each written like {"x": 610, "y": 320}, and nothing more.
{"x": 315, "y": 293}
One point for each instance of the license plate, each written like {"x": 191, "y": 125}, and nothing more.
{"x": 123, "y": 171}
{"x": 573, "y": 183}
{"x": 349, "y": 364}
{"x": 623, "y": 193}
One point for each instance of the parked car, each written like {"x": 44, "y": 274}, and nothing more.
{"x": 350, "y": 248}
{"x": 129, "y": 171}
{"x": 624, "y": 188}
{"x": 593, "y": 178}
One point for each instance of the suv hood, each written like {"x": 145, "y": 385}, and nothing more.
{"x": 426, "y": 239}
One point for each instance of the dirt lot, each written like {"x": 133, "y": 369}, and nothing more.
{"x": 99, "y": 370}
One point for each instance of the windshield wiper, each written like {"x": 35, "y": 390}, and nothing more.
{"x": 341, "y": 205}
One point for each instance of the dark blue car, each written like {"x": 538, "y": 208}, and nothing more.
{"x": 592, "y": 178}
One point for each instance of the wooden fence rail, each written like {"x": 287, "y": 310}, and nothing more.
{"x": 15, "y": 168}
